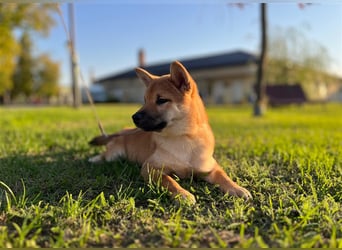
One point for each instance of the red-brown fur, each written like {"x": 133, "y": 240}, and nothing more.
{"x": 174, "y": 137}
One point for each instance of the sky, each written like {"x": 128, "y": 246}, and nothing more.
{"x": 109, "y": 34}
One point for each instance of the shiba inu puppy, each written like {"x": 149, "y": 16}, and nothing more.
{"x": 173, "y": 136}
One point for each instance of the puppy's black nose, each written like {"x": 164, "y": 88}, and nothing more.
{"x": 138, "y": 116}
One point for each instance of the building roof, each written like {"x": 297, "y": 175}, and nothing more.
{"x": 228, "y": 59}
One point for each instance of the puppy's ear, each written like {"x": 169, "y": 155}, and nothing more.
{"x": 144, "y": 76}
{"x": 180, "y": 76}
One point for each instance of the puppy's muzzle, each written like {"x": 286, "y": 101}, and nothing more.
{"x": 148, "y": 122}
{"x": 138, "y": 117}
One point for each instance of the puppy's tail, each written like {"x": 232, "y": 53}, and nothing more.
{"x": 104, "y": 139}
{"x": 101, "y": 140}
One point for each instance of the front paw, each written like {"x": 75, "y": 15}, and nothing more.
{"x": 240, "y": 192}
{"x": 185, "y": 197}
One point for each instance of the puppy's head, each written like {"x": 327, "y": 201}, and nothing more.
{"x": 167, "y": 99}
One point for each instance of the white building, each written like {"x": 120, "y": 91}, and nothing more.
{"x": 221, "y": 78}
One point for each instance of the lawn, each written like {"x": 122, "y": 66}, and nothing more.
{"x": 51, "y": 196}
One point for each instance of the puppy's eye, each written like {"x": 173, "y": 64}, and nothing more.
{"x": 161, "y": 100}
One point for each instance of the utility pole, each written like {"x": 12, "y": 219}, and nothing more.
{"x": 260, "y": 105}
{"x": 76, "y": 94}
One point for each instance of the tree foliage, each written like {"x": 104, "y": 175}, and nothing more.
{"x": 23, "y": 77}
{"x": 14, "y": 17}
{"x": 295, "y": 58}
{"x": 29, "y": 16}
{"x": 8, "y": 49}
{"x": 34, "y": 75}
{"x": 47, "y": 76}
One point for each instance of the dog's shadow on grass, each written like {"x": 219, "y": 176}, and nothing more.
{"x": 50, "y": 175}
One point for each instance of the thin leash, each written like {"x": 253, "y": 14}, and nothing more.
{"x": 90, "y": 99}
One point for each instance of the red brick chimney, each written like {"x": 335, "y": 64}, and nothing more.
{"x": 141, "y": 58}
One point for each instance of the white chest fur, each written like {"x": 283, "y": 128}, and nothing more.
{"x": 183, "y": 154}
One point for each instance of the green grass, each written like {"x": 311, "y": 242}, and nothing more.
{"x": 290, "y": 160}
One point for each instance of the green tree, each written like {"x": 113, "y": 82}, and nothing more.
{"x": 30, "y": 16}
{"x": 13, "y": 17}
{"x": 295, "y": 58}
{"x": 47, "y": 78}
{"x": 8, "y": 49}
{"x": 23, "y": 75}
